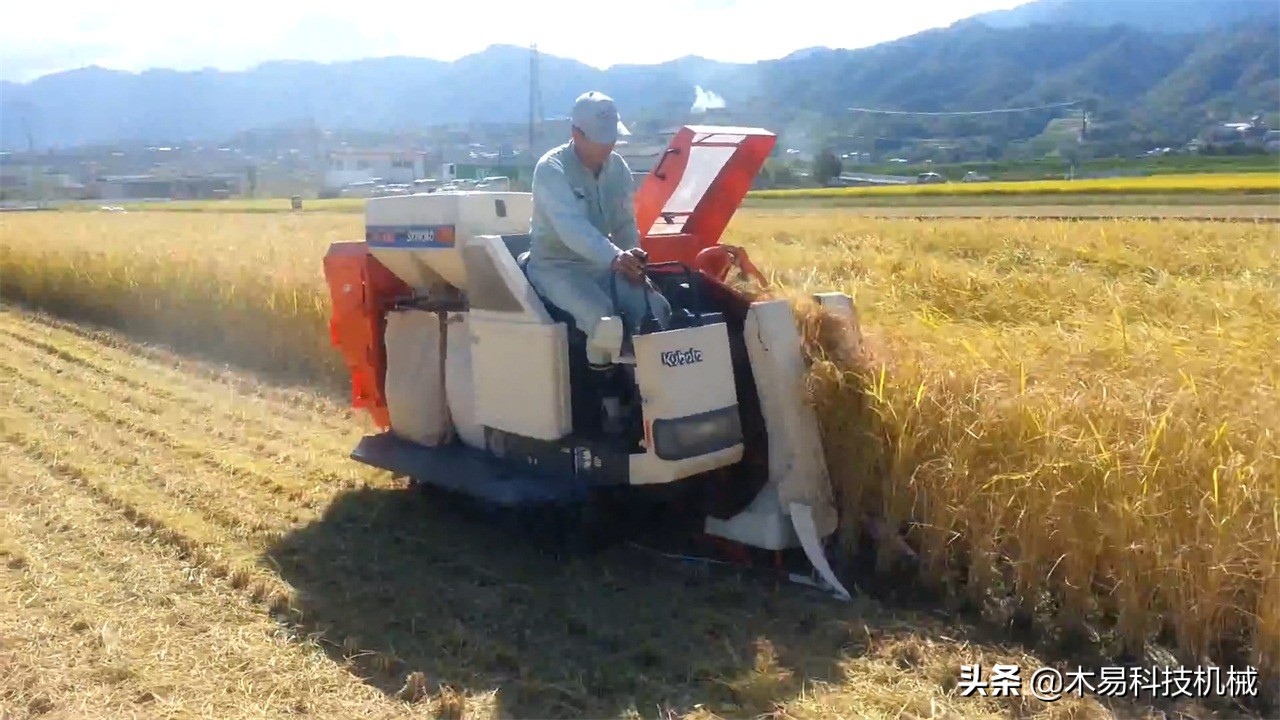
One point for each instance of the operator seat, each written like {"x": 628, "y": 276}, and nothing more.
{"x": 584, "y": 382}
{"x": 518, "y": 244}
{"x": 557, "y": 314}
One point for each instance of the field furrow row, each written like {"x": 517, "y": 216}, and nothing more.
{"x": 175, "y": 466}
{"x": 128, "y": 489}
{"x": 242, "y": 423}
{"x": 235, "y": 472}
{"x": 173, "y": 381}
{"x": 226, "y": 417}
{"x": 109, "y": 435}
{"x": 183, "y": 634}
{"x": 110, "y": 443}
{"x": 179, "y": 374}
{"x": 73, "y": 421}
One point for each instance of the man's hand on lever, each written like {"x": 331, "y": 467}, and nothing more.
{"x": 631, "y": 265}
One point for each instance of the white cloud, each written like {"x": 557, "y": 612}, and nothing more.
{"x": 39, "y": 38}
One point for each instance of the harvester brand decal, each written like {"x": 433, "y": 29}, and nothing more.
{"x": 410, "y": 235}
{"x": 676, "y": 358}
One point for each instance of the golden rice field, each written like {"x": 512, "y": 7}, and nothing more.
{"x": 1076, "y": 422}
{"x": 1268, "y": 182}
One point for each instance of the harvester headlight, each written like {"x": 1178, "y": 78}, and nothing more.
{"x": 686, "y": 437}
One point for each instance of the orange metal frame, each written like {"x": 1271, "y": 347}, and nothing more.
{"x": 706, "y": 222}
{"x": 362, "y": 289}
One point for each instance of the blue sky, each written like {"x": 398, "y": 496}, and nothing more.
{"x": 38, "y": 38}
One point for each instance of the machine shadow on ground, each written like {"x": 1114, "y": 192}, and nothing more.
{"x": 417, "y": 586}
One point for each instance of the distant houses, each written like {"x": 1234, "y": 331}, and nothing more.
{"x": 347, "y": 167}
{"x": 155, "y": 187}
{"x": 1251, "y": 136}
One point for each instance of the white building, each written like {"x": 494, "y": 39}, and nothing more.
{"x": 386, "y": 166}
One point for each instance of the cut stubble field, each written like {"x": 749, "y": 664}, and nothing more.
{"x": 1074, "y": 421}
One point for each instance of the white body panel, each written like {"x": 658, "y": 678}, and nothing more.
{"x": 836, "y": 302}
{"x": 798, "y": 493}
{"x": 400, "y": 231}
{"x": 841, "y": 304}
{"x": 415, "y": 377}
{"x": 682, "y": 373}
{"x": 521, "y": 376}
{"x": 764, "y": 524}
{"x": 797, "y": 466}
{"x": 796, "y": 458}
{"x": 685, "y": 372}
{"x": 458, "y": 382}
{"x": 519, "y": 357}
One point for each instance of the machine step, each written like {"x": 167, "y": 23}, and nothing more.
{"x": 465, "y": 470}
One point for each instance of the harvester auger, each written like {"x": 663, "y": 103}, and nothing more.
{"x": 481, "y": 387}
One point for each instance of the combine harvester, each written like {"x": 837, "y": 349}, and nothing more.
{"x": 481, "y": 387}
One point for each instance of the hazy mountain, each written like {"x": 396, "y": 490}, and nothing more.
{"x": 1224, "y": 73}
{"x": 1134, "y": 81}
{"x": 1170, "y": 16}
{"x": 93, "y": 105}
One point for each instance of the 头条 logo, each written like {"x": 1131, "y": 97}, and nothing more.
{"x": 676, "y": 358}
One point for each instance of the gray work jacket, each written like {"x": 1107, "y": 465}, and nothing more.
{"x": 577, "y": 217}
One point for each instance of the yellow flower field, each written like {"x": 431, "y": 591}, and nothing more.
{"x": 1078, "y": 420}
{"x": 1153, "y": 184}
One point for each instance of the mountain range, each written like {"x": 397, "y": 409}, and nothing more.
{"x": 1170, "y": 16}
{"x": 1144, "y": 70}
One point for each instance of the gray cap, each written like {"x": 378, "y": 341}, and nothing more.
{"x": 595, "y": 115}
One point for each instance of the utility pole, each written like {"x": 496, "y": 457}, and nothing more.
{"x": 31, "y": 158}
{"x": 535, "y": 108}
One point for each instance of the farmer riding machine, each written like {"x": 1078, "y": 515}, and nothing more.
{"x": 479, "y": 386}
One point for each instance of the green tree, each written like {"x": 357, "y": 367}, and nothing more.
{"x": 826, "y": 166}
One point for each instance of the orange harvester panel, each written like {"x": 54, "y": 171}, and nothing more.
{"x": 697, "y": 185}
{"x": 362, "y": 289}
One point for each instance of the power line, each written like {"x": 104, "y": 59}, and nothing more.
{"x": 879, "y": 111}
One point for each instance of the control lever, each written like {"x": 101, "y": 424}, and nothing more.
{"x": 649, "y": 323}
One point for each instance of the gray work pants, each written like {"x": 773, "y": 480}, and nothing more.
{"x": 583, "y": 291}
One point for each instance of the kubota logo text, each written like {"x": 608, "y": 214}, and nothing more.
{"x": 676, "y": 358}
